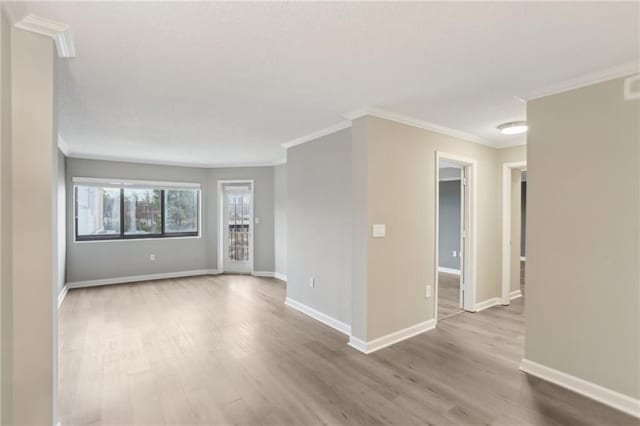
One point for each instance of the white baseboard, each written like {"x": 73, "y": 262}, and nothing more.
{"x": 515, "y": 294}
{"x": 391, "y": 338}
{"x": 319, "y": 316}
{"x": 486, "y": 304}
{"x": 449, "y": 270}
{"x": 62, "y": 295}
{"x": 269, "y": 274}
{"x": 135, "y": 278}
{"x": 264, "y": 274}
{"x": 591, "y": 390}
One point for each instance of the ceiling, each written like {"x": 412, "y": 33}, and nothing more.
{"x": 229, "y": 83}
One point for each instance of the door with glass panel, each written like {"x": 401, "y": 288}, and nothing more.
{"x": 237, "y": 228}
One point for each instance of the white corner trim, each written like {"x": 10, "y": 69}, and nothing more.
{"x": 587, "y": 80}
{"x": 358, "y": 344}
{"x": 319, "y": 316}
{"x": 416, "y": 122}
{"x": 391, "y": 338}
{"x": 591, "y": 390}
{"x": 63, "y": 146}
{"x": 62, "y": 295}
{"x": 317, "y": 134}
{"x": 136, "y": 278}
{"x": 481, "y": 306}
{"x": 515, "y": 294}
{"x": 59, "y": 32}
{"x": 281, "y": 277}
{"x": 449, "y": 270}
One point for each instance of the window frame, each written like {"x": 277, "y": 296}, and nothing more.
{"x": 124, "y": 237}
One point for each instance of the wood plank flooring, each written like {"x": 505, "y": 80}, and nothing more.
{"x": 448, "y": 295}
{"x": 226, "y": 350}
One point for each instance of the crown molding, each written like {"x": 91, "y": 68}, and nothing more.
{"x": 59, "y": 32}
{"x": 587, "y": 80}
{"x": 415, "y": 122}
{"x": 315, "y": 135}
{"x": 63, "y": 147}
{"x": 81, "y": 156}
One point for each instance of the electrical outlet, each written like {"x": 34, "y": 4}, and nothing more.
{"x": 455, "y": 253}
{"x": 428, "y": 291}
{"x": 312, "y": 282}
{"x": 257, "y": 220}
{"x": 152, "y": 257}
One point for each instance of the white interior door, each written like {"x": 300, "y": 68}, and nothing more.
{"x": 464, "y": 216}
{"x": 237, "y": 228}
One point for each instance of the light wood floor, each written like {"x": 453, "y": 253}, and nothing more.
{"x": 226, "y": 350}
{"x": 448, "y": 295}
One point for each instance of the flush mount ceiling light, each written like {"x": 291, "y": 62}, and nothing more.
{"x": 513, "y": 128}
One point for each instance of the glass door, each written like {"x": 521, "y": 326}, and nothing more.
{"x": 238, "y": 228}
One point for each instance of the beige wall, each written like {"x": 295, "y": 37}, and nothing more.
{"x": 400, "y": 192}
{"x": 5, "y": 218}
{"x": 583, "y": 231}
{"x": 34, "y": 209}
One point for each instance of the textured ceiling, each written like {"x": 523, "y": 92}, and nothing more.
{"x": 228, "y": 83}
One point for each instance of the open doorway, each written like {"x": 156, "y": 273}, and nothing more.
{"x": 235, "y": 220}
{"x": 514, "y": 191}
{"x": 455, "y": 236}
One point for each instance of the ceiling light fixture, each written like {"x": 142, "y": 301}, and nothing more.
{"x": 513, "y": 128}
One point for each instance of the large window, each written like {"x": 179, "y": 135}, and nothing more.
{"x": 104, "y": 212}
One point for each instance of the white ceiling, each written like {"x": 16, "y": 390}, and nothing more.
{"x": 228, "y": 83}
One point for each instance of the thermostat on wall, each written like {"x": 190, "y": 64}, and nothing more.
{"x": 379, "y": 230}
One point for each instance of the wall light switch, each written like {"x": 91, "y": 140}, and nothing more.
{"x": 454, "y": 253}
{"x": 312, "y": 282}
{"x": 152, "y": 257}
{"x": 379, "y": 230}
{"x": 257, "y": 220}
{"x": 428, "y": 291}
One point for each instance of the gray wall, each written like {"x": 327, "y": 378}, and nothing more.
{"x": 280, "y": 218}
{"x": 319, "y": 224}
{"x": 449, "y": 224}
{"x": 61, "y": 219}
{"x": 111, "y": 259}
{"x": 583, "y": 232}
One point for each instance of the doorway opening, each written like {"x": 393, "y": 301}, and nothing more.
{"x": 235, "y": 226}
{"x": 514, "y": 190}
{"x": 455, "y": 253}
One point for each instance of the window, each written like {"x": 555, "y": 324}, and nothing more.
{"x": 97, "y": 211}
{"x": 142, "y": 211}
{"x": 124, "y": 211}
{"x": 181, "y": 207}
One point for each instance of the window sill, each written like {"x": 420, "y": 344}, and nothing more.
{"x": 128, "y": 240}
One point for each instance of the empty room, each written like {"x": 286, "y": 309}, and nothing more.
{"x": 319, "y": 213}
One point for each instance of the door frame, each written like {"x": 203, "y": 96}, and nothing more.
{"x": 470, "y": 243}
{"x": 220, "y": 210}
{"x": 507, "y": 169}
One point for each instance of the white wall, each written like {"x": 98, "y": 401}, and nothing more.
{"x": 280, "y": 219}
